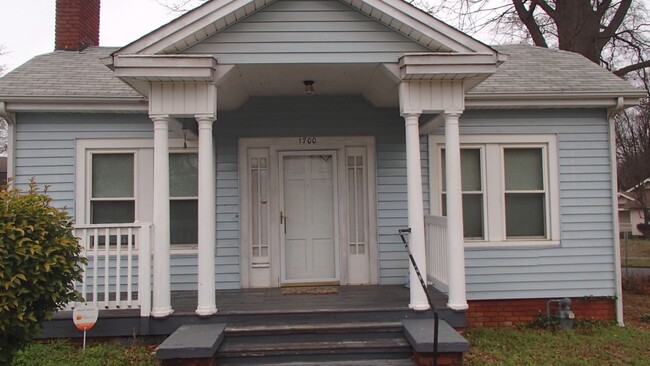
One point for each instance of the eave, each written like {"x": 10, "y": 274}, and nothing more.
{"x": 75, "y": 104}
{"x": 551, "y": 100}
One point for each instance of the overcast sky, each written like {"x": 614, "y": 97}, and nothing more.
{"x": 27, "y": 26}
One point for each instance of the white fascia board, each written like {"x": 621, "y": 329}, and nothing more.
{"x": 187, "y": 24}
{"x": 166, "y": 67}
{"x": 554, "y": 100}
{"x": 425, "y": 23}
{"x": 74, "y": 104}
{"x": 448, "y": 66}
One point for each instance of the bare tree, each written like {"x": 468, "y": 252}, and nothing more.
{"x": 633, "y": 153}
{"x": 615, "y": 34}
{"x": 180, "y": 6}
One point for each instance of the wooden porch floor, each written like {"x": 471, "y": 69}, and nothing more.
{"x": 271, "y": 300}
{"x": 263, "y": 306}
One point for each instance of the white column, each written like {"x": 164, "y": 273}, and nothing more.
{"x": 456, "y": 250}
{"x": 161, "y": 306}
{"x": 415, "y": 210}
{"x": 207, "y": 218}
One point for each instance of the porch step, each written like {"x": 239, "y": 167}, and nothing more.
{"x": 315, "y": 343}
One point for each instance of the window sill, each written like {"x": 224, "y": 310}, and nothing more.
{"x": 514, "y": 244}
{"x": 182, "y": 249}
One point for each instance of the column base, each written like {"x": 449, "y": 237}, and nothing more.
{"x": 460, "y": 306}
{"x": 206, "y": 311}
{"x": 419, "y": 306}
{"x": 162, "y": 312}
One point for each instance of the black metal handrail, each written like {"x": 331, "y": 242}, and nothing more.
{"x": 426, "y": 292}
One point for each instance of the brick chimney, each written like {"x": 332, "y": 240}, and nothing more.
{"x": 77, "y": 24}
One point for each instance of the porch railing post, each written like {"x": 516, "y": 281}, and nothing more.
{"x": 456, "y": 249}
{"x": 144, "y": 270}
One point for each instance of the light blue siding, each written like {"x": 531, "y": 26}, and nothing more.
{"x": 45, "y": 150}
{"x": 291, "y": 31}
{"x": 583, "y": 265}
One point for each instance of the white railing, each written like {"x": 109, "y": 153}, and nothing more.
{"x": 118, "y": 273}
{"x": 435, "y": 233}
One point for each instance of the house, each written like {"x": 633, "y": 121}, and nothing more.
{"x": 631, "y": 208}
{"x": 259, "y": 144}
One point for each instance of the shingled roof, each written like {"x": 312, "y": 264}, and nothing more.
{"x": 546, "y": 71}
{"x": 528, "y": 70}
{"x": 66, "y": 74}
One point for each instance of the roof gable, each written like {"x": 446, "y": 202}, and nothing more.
{"x": 218, "y": 15}
{"x": 316, "y": 31}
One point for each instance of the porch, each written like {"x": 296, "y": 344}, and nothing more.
{"x": 120, "y": 257}
{"x": 356, "y": 325}
{"x": 360, "y": 323}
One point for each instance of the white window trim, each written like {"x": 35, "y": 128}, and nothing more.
{"x": 142, "y": 192}
{"x": 492, "y": 146}
{"x": 88, "y": 181}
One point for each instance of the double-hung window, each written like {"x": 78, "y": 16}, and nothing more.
{"x": 473, "y": 193}
{"x": 112, "y": 188}
{"x": 183, "y": 195}
{"x": 509, "y": 188}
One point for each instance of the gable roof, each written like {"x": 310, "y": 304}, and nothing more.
{"x": 217, "y": 15}
{"x": 82, "y": 75}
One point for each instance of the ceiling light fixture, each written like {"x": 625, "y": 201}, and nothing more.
{"x": 309, "y": 86}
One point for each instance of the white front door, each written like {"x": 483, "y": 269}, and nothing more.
{"x": 308, "y": 216}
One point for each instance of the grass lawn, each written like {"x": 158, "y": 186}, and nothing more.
{"x": 638, "y": 251}
{"x": 64, "y": 353}
{"x": 587, "y": 345}
{"x": 595, "y": 345}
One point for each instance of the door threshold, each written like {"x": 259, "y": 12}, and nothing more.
{"x": 309, "y": 284}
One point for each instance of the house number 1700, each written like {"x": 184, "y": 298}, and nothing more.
{"x": 307, "y": 140}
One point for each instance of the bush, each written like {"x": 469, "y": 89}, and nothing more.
{"x": 39, "y": 263}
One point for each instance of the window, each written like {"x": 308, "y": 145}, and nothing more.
{"x": 183, "y": 193}
{"x": 525, "y": 192}
{"x": 112, "y": 198}
{"x": 472, "y": 188}
{"x": 509, "y": 187}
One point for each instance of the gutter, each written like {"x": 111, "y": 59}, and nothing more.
{"x": 11, "y": 135}
{"x": 620, "y": 105}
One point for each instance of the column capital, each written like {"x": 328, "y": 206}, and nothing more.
{"x": 452, "y": 114}
{"x": 406, "y": 115}
{"x": 160, "y": 117}
{"x": 205, "y": 118}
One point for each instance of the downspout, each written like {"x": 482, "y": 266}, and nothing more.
{"x": 620, "y": 105}
{"x": 10, "y": 118}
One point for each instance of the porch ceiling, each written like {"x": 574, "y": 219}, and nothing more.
{"x": 373, "y": 81}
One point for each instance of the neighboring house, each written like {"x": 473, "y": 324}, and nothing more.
{"x": 203, "y": 131}
{"x": 631, "y": 209}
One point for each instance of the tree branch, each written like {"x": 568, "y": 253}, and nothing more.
{"x": 616, "y": 20}
{"x": 630, "y": 68}
{"x": 527, "y": 18}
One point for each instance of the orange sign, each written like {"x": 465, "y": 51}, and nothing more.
{"x": 85, "y": 316}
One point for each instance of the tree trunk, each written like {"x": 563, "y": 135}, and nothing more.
{"x": 578, "y": 26}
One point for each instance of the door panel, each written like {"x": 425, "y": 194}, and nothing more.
{"x": 309, "y": 208}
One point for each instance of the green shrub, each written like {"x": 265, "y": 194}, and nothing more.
{"x": 39, "y": 262}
